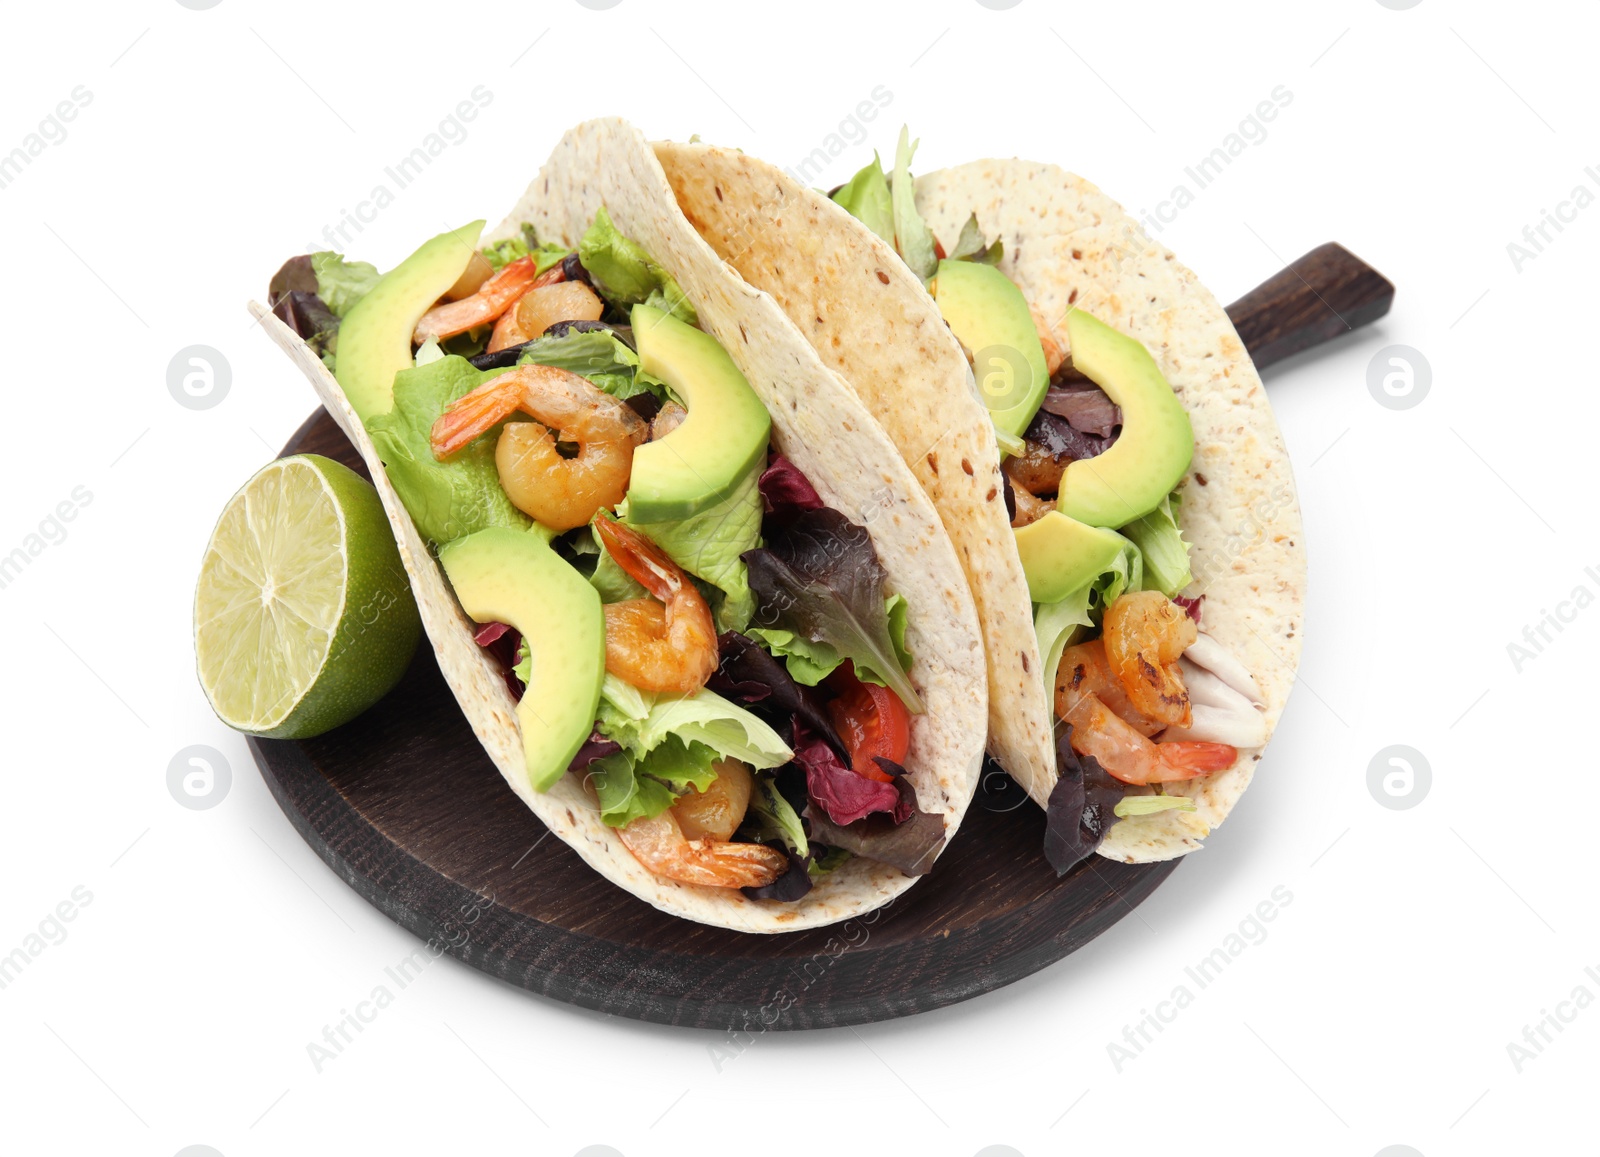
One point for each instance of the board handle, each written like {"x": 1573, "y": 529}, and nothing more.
{"x": 1325, "y": 294}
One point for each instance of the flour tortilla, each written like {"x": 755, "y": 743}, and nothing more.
{"x": 1066, "y": 243}
{"x": 816, "y": 422}
{"x": 875, "y": 326}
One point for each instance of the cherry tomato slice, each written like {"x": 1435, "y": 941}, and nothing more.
{"x": 871, "y": 720}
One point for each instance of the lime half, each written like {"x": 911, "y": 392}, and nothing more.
{"x": 303, "y": 616}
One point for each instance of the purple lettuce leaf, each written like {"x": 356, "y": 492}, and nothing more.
{"x": 838, "y": 791}
{"x": 785, "y": 491}
{"x": 595, "y": 748}
{"x": 819, "y": 577}
{"x": 1079, "y": 812}
{"x": 910, "y": 845}
{"x": 792, "y": 885}
{"x": 748, "y": 675}
{"x": 1085, "y": 406}
{"x": 1062, "y": 440}
{"x": 502, "y": 641}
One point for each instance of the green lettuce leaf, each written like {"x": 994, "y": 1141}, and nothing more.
{"x": 1145, "y": 805}
{"x": 774, "y": 818}
{"x": 830, "y": 861}
{"x": 342, "y": 283}
{"x": 630, "y": 789}
{"x": 708, "y": 546}
{"x": 821, "y": 579}
{"x": 445, "y": 499}
{"x": 428, "y": 351}
{"x": 897, "y": 610}
{"x": 614, "y": 584}
{"x": 641, "y": 721}
{"x": 808, "y": 663}
{"x": 522, "y": 663}
{"x": 502, "y": 253}
{"x": 625, "y": 274}
{"x": 1160, "y": 542}
{"x": 970, "y": 246}
{"x": 599, "y": 355}
{"x": 1058, "y": 625}
{"x": 622, "y": 707}
{"x": 680, "y": 764}
{"x": 911, "y": 234}
{"x": 811, "y": 662}
{"x": 866, "y": 198}
{"x": 626, "y": 795}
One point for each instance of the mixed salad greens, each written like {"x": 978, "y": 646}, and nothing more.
{"x": 790, "y": 730}
{"x": 1105, "y": 558}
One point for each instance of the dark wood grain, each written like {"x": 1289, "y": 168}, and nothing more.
{"x": 405, "y": 806}
{"x": 1325, "y": 294}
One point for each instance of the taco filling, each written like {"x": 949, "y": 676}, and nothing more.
{"x": 686, "y": 625}
{"x": 1094, "y": 444}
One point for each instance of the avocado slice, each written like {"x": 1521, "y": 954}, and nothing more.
{"x": 724, "y": 436}
{"x": 1061, "y": 555}
{"x": 375, "y": 336}
{"x": 988, "y": 314}
{"x": 510, "y": 576}
{"x": 1149, "y": 457}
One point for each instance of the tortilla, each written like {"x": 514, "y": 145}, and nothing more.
{"x": 848, "y": 293}
{"x": 1066, "y": 243}
{"x": 816, "y": 422}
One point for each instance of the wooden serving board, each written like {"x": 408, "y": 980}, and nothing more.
{"x": 406, "y": 808}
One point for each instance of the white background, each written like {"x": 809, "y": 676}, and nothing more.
{"x": 1418, "y": 943}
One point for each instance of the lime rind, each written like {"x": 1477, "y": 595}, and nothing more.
{"x": 303, "y": 612}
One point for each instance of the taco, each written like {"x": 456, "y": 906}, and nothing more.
{"x": 1098, "y": 443}
{"x": 692, "y": 602}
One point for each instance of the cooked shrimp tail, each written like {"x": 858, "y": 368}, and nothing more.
{"x": 1145, "y": 633}
{"x": 668, "y": 645}
{"x": 493, "y": 298}
{"x": 1131, "y": 757}
{"x": 559, "y": 492}
{"x": 659, "y": 844}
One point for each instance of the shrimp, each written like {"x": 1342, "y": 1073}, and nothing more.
{"x": 667, "y": 419}
{"x": 1084, "y": 671}
{"x": 1107, "y": 725}
{"x": 507, "y": 332}
{"x": 1144, "y": 634}
{"x": 717, "y": 812}
{"x": 1047, "y": 339}
{"x": 492, "y": 299}
{"x": 1098, "y": 731}
{"x": 1036, "y": 469}
{"x": 667, "y": 646}
{"x": 1030, "y": 507}
{"x": 659, "y": 844}
{"x": 541, "y": 307}
{"x": 559, "y": 492}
